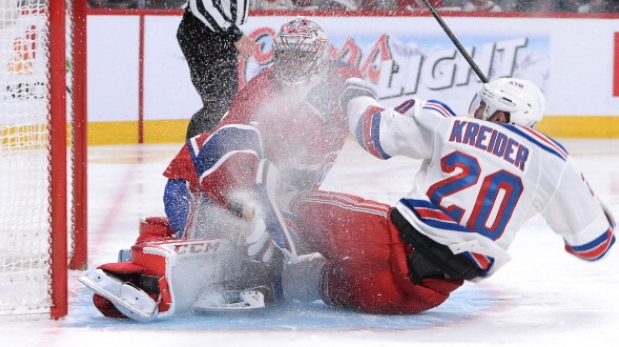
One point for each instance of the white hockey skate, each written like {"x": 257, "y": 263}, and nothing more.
{"x": 129, "y": 300}
{"x": 229, "y": 300}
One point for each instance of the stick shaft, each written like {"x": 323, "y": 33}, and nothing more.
{"x": 456, "y": 42}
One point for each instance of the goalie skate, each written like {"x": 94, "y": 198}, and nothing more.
{"x": 229, "y": 300}
{"x": 129, "y": 300}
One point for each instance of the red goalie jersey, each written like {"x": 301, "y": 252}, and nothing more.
{"x": 296, "y": 120}
{"x": 302, "y": 126}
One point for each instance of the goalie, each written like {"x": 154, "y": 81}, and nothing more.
{"x": 226, "y": 258}
{"x": 232, "y": 186}
{"x": 294, "y": 106}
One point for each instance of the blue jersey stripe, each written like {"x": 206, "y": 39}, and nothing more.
{"x": 413, "y": 205}
{"x": 559, "y": 150}
{"x": 367, "y": 134}
{"x": 595, "y": 249}
{"x": 224, "y": 141}
{"x": 405, "y": 106}
{"x": 441, "y": 108}
{"x": 375, "y": 136}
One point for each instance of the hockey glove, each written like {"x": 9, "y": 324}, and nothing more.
{"x": 355, "y": 87}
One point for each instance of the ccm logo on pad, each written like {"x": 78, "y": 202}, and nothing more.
{"x": 196, "y": 247}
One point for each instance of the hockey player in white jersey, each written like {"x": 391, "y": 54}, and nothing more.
{"x": 481, "y": 178}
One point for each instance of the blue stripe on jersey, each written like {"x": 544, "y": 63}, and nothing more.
{"x": 434, "y": 217}
{"x": 367, "y": 133}
{"x": 223, "y": 142}
{"x": 595, "y": 249}
{"x": 375, "y": 136}
{"x": 482, "y": 261}
{"x": 359, "y": 133}
{"x": 405, "y": 106}
{"x": 544, "y": 142}
{"x": 441, "y": 108}
{"x": 429, "y": 214}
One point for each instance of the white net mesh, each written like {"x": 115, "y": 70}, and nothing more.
{"x": 24, "y": 153}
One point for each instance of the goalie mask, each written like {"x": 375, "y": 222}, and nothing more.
{"x": 301, "y": 50}
{"x": 521, "y": 100}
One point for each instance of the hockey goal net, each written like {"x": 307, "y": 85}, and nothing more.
{"x": 42, "y": 153}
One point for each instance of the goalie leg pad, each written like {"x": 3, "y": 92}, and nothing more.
{"x": 163, "y": 278}
{"x": 267, "y": 180}
{"x": 258, "y": 241}
{"x": 185, "y": 267}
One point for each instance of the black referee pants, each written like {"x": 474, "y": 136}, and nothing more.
{"x": 212, "y": 60}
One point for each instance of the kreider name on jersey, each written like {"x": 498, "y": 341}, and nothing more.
{"x": 490, "y": 140}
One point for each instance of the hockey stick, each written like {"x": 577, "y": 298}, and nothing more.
{"x": 453, "y": 38}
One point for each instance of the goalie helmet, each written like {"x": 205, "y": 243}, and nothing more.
{"x": 301, "y": 50}
{"x": 521, "y": 99}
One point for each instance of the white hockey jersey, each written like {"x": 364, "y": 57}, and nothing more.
{"x": 480, "y": 181}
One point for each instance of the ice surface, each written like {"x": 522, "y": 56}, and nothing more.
{"x": 542, "y": 297}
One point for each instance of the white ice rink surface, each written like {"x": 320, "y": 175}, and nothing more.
{"x": 543, "y": 297}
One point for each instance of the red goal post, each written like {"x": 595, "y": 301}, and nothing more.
{"x": 43, "y": 153}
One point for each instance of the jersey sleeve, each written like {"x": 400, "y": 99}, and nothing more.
{"x": 575, "y": 213}
{"x": 406, "y": 130}
{"x": 182, "y": 168}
